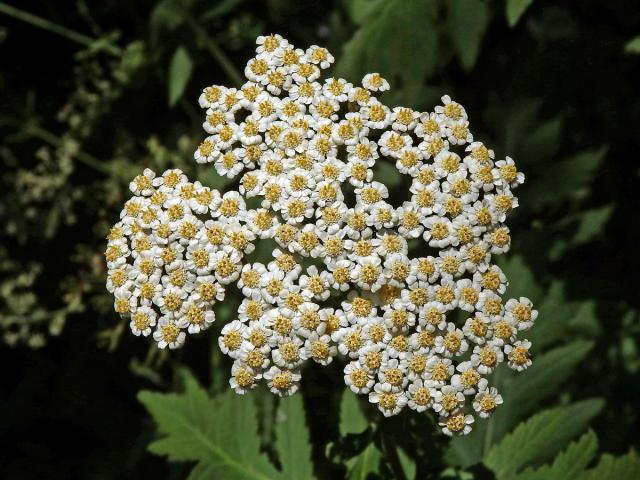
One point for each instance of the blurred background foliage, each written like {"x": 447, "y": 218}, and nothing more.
{"x": 93, "y": 92}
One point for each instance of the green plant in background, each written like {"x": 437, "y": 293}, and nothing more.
{"x": 549, "y": 84}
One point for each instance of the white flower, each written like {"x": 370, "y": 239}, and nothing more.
{"x": 252, "y": 308}
{"x": 404, "y": 119}
{"x": 522, "y": 312}
{"x": 468, "y": 380}
{"x": 486, "y": 401}
{"x": 289, "y": 353}
{"x": 282, "y": 382}
{"x": 142, "y": 320}
{"x": 252, "y": 278}
{"x": 478, "y": 328}
{"x": 420, "y": 397}
{"x": 486, "y": 358}
{"x": 505, "y": 172}
{"x": 375, "y": 83}
{"x": 319, "y": 56}
{"x": 231, "y": 338}
{"x": 196, "y": 316}
{"x": 168, "y": 334}
{"x": 392, "y": 372}
{"x": 143, "y": 184}
{"x": 319, "y": 348}
{"x": 457, "y": 424}
{"x": 357, "y": 378}
{"x": 243, "y": 378}
{"x": 315, "y": 284}
{"x": 518, "y": 355}
{"x": 390, "y": 401}
{"x": 226, "y": 265}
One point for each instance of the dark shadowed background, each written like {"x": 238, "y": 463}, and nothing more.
{"x": 91, "y": 93}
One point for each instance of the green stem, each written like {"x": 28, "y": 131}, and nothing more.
{"x": 55, "y": 28}
{"x": 488, "y": 433}
{"x": 54, "y": 140}
{"x": 392, "y": 456}
{"x": 81, "y": 156}
{"x": 215, "y": 50}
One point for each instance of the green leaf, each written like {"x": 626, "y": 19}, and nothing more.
{"x": 179, "y": 74}
{"x": 167, "y": 14}
{"x": 633, "y": 46}
{"x": 292, "y": 440}
{"x": 554, "y": 312}
{"x": 399, "y": 40}
{"x": 614, "y": 468}
{"x": 352, "y": 421}
{"x": 522, "y": 393}
{"x": 351, "y": 418}
{"x": 522, "y": 281}
{"x": 407, "y": 464}
{"x": 568, "y": 464}
{"x": 588, "y": 225}
{"x": 515, "y": 10}
{"x": 540, "y": 437}
{"x": 360, "y": 10}
{"x": 202, "y": 471}
{"x": 222, "y": 8}
{"x": 468, "y": 21}
{"x": 576, "y": 174}
{"x": 219, "y": 432}
{"x": 366, "y": 463}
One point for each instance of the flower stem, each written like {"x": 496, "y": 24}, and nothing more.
{"x": 55, "y": 141}
{"x": 215, "y": 50}
{"x": 392, "y": 456}
{"x": 57, "y": 29}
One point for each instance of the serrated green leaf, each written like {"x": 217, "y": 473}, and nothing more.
{"x": 292, "y": 439}
{"x": 614, "y": 468}
{"x": 522, "y": 392}
{"x": 515, "y": 9}
{"x": 588, "y": 225}
{"x": 633, "y": 46}
{"x": 179, "y": 74}
{"x": 522, "y": 134}
{"x": 522, "y": 281}
{"x": 467, "y": 21}
{"x": 554, "y": 306}
{"x": 407, "y": 464}
{"x": 569, "y": 463}
{"x": 218, "y": 432}
{"x": 399, "y": 40}
{"x": 576, "y": 174}
{"x": 368, "y": 462}
{"x": 202, "y": 471}
{"x": 351, "y": 418}
{"x": 540, "y": 437}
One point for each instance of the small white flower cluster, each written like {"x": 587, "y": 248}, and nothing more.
{"x": 351, "y": 274}
{"x": 176, "y": 246}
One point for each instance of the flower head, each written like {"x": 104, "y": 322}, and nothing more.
{"x": 308, "y": 149}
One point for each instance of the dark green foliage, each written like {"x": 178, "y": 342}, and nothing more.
{"x": 93, "y": 92}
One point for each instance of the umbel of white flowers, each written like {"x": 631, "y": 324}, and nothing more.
{"x": 346, "y": 278}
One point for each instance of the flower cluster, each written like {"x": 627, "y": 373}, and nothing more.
{"x": 176, "y": 246}
{"x": 355, "y": 273}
